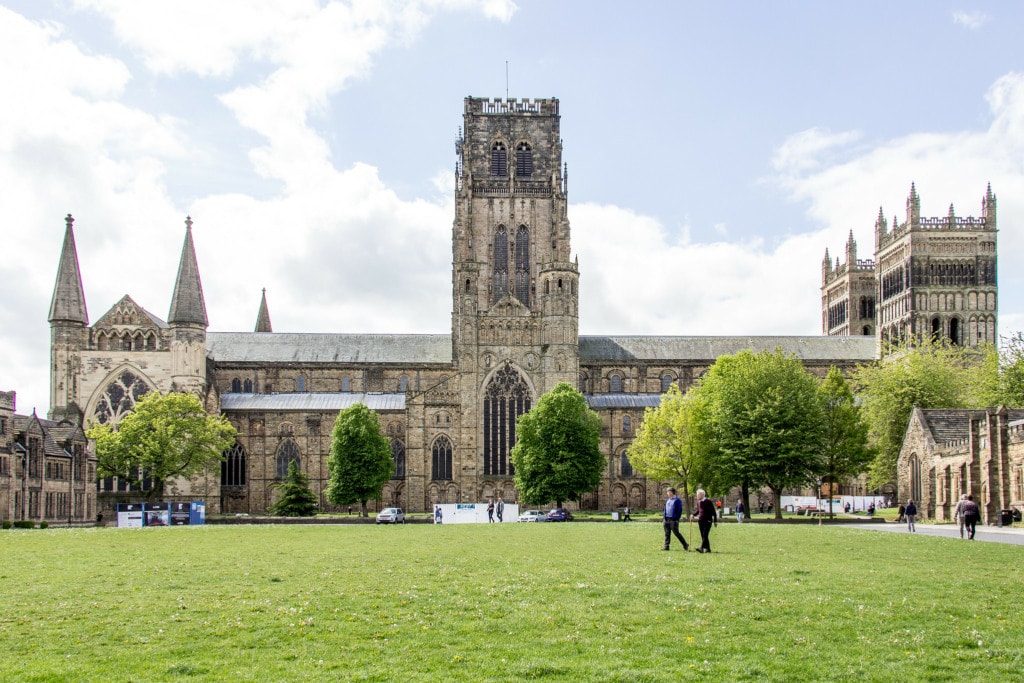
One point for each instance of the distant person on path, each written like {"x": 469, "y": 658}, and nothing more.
{"x": 901, "y": 513}
{"x": 625, "y": 515}
{"x": 438, "y": 516}
{"x": 958, "y": 513}
{"x": 760, "y": 506}
{"x": 739, "y": 512}
{"x": 706, "y": 517}
{"x": 500, "y": 508}
{"x": 847, "y": 507}
{"x": 911, "y": 514}
{"x": 871, "y": 509}
{"x": 490, "y": 511}
{"x": 972, "y": 513}
{"x": 673, "y": 511}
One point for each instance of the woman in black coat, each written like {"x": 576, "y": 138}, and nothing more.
{"x": 707, "y": 517}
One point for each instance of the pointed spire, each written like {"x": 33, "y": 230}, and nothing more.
{"x": 851, "y": 250}
{"x": 913, "y": 208}
{"x": 263, "y": 317}
{"x": 68, "y": 302}
{"x": 187, "y": 303}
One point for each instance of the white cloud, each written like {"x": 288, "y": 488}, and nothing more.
{"x": 971, "y": 20}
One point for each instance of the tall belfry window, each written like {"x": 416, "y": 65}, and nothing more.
{"x": 524, "y": 160}
{"x": 286, "y": 454}
{"x": 398, "y": 458}
{"x": 232, "y": 468}
{"x": 500, "y": 286}
{"x": 499, "y": 160}
{"x": 441, "y": 463}
{"x": 506, "y": 398}
{"x": 523, "y": 265}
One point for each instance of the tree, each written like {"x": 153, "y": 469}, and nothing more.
{"x": 926, "y": 374}
{"x": 764, "y": 421}
{"x": 669, "y": 444}
{"x": 844, "y": 439}
{"x": 297, "y": 499}
{"x": 557, "y": 455}
{"x": 360, "y": 460}
{"x": 164, "y": 437}
{"x": 996, "y": 378}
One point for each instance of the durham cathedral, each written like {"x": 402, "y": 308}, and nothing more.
{"x": 448, "y": 403}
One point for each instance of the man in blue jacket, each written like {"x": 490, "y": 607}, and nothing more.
{"x": 673, "y": 511}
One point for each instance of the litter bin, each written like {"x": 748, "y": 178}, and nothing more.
{"x": 1006, "y": 518}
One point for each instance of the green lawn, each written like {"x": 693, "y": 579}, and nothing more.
{"x": 558, "y": 602}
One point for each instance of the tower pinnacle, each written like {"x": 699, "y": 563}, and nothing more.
{"x": 68, "y": 302}
{"x": 187, "y": 303}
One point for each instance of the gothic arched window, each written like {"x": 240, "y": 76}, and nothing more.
{"x": 119, "y": 397}
{"x": 506, "y": 398}
{"x": 615, "y": 384}
{"x": 232, "y": 468}
{"x": 523, "y": 265}
{"x": 500, "y": 286}
{"x": 524, "y": 160}
{"x": 248, "y": 386}
{"x": 441, "y": 459}
{"x": 398, "y": 458}
{"x": 625, "y": 466}
{"x": 287, "y": 453}
{"x": 499, "y": 160}
{"x": 666, "y": 382}
{"x": 236, "y": 386}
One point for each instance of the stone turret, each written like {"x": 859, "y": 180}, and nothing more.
{"x": 187, "y": 321}
{"x": 881, "y": 229}
{"x": 913, "y": 209}
{"x": 988, "y": 208}
{"x": 69, "y": 333}
{"x": 263, "y": 317}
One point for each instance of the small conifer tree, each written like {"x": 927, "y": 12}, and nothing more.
{"x": 297, "y": 499}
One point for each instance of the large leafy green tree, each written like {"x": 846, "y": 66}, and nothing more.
{"x": 557, "y": 455}
{"x": 928, "y": 375}
{"x": 360, "y": 460}
{"x": 764, "y": 421}
{"x": 844, "y": 439}
{"x": 296, "y": 499}
{"x": 669, "y": 444}
{"x": 996, "y": 376}
{"x": 166, "y": 436}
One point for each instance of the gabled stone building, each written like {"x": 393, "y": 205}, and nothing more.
{"x": 949, "y": 452}
{"x": 447, "y": 402}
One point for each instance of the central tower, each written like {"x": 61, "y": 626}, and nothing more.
{"x": 514, "y": 288}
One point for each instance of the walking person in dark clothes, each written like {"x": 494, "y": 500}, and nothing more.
{"x": 707, "y": 517}
{"x": 673, "y": 511}
{"x": 972, "y": 513}
{"x": 911, "y": 514}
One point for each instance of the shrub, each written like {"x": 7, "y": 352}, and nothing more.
{"x": 24, "y": 524}
{"x": 7, "y": 524}
{"x": 44, "y": 524}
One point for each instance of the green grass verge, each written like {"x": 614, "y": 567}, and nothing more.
{"x": 555, "y": 602}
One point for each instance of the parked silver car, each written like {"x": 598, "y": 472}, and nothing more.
{"x": 391, "y": 516}
{"x": 533, "y": 516}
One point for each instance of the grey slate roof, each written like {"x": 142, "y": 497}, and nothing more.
{"x": 187, "y": 303}
{"x": 310, "y": 402}
{"x": 68, "y": 302}
{"x": 605, "y": 401}
{"x": 289, "y": 347}
{"x": 953, "y": 424}
{"x": 630, "y": 348}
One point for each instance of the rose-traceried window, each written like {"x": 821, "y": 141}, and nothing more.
{"x": 119, "y": 397}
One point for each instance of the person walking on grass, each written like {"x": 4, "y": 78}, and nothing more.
{"x": 911, "y": 514}
{"x": 500, "y": 508}
{"x": 490, "y": 511}
{"x": 972, "y": 513}
{"x": 673, "y": 511}
{"x": 739, "y": 511}
{"x": 706, "y": 517}
{"x": 958, "y": 513}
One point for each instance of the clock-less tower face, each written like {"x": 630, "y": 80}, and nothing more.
{"x": 515, "y": 289}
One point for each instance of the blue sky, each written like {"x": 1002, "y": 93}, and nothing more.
{"x": 714, "y": 151}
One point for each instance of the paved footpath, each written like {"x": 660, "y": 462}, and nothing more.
{"x": 1013, "y": 535}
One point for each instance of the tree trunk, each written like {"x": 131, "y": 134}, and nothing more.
{"x": 777, "y": 502}
{"x": 745, "y": 497}
{"x": 362, "y": 508}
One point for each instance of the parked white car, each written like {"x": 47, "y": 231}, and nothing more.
{"x": 533, "y": 516}
{"x": 391, "y": 516}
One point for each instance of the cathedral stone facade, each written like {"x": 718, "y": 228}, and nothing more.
{"x": 448, "y": 403}
{"x": 930, "y": 277}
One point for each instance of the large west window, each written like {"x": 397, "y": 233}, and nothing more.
{"x": 506, "y": 398}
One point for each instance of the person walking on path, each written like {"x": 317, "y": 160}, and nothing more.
{"x": 500, "y": 509}
{"x": 958, "y": 513}
{"x": 490, "y": 511}
{"x": 673, "y": 511}
{"x": 739, "y": 512}
{"x": 706, "y": 517}
{"x": 438, "y": 516}
{"x": 911, "y": 514}
{"x": 625, "y": 515}
{"x": 972, "y": 513}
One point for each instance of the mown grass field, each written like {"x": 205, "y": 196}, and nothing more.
{"x": 554, "y": 602}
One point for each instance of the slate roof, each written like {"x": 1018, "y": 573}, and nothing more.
{"x": 311, "y": 402}
{"x": 953, "y": 424}
{"x": 605, "y": 401}
{"x": 631, "y": 348}
{"x": 289, "y": 347}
